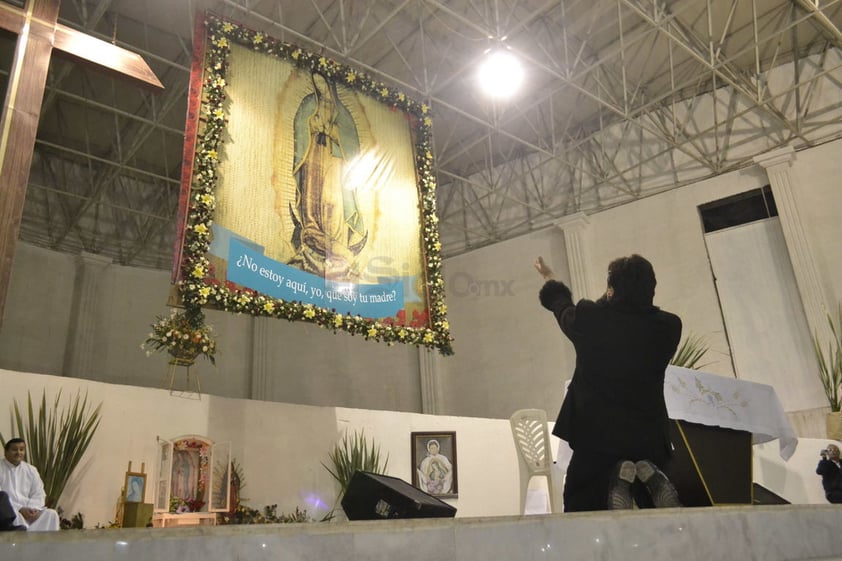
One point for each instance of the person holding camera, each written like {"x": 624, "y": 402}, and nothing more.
{"x": 830, "y": 469}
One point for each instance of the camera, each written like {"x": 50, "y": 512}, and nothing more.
{"x": 824, "y": 453}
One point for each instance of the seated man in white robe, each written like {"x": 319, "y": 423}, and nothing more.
{"x": 25, "y": 489}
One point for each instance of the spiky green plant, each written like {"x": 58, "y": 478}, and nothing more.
{"x": 830, "y": 364}
{"x": 56, "y": 438}
{"x": 690, "y": 352}
{"x": 351, "y": 454}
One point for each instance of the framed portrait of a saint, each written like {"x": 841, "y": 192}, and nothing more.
{"x": 308, "y": 192}
{"x": 434, "y": 463}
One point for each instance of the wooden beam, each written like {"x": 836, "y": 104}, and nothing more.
{"x": 38, "y": 34}
{"x": 105, "y": 57}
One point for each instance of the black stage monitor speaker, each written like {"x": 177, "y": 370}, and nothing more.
{"x": 371, "y": 497}
{"x": 763, "y": 496}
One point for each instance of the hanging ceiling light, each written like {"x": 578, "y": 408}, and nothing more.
{"x": 500, "y": 73}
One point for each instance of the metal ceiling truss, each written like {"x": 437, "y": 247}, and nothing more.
{"x": 624, "y": 99}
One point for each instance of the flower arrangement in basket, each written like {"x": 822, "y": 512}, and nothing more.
{"x": 184, "y": 335}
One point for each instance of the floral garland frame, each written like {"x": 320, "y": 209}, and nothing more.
{"x": 192, "y": 272}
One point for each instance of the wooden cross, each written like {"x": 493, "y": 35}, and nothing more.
{"x": 39, "y": 33}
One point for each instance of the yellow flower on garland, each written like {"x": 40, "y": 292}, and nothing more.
{"x": 269, "y": 307}
{"x": 428, "y": 121}
{"x": 201, "y": 229}
{"x": 402, "y": 334}
{"x": 384, "y": 92}
{"x": 222, "y": 42}
{"x": 428, "y": 337}
{"x": 199, "y": 271}
{"x": 258, "y": 38}
{"x": 372, "y": 331}
{"x": 350, "y": 77}
{"x": 205, "y": 291}
{"x": 337, "y": 321}
{"x": 309, "y": 312}
{"x": 227, "y": 27}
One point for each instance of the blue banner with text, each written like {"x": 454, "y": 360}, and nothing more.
{"x": 252, "y": 269}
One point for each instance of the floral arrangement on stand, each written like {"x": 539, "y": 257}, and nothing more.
{"x": 184, "y": 335}
{"x": 197, "y": 284}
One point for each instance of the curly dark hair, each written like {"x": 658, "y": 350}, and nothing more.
{"x": 633, "y": 281}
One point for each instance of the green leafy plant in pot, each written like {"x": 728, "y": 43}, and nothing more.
{"x": 351, "y": 454}
{"x": 690, "y": 352}
{"x": 56, "y": 438}
{"x": 830, "y": 372}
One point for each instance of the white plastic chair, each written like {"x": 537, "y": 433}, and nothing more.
{"x": 532, "y": 441}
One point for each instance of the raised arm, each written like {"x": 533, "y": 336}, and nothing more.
{"x": 543, "y": 269}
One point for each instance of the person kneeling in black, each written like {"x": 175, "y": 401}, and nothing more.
{"x": 614, "y": 416}
{"x": 830, "y": 469}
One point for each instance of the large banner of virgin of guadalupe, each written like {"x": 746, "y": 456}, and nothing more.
{"x": 307, "y": 192}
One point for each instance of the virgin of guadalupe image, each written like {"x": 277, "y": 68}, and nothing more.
{"x": 185, "y": 474}
{"x": 328, "y": 229}
{"x": 435, "y": 473}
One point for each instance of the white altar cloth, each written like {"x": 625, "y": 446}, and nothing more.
{"x": 719, "y": 401}
{"x": 722, "y": 401}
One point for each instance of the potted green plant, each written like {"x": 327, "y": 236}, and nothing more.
{"x": 830, "y": 372}
{"x": 690, "y": 352}
{"x": 56, "y": 438}
{"x": 351, "y": 454}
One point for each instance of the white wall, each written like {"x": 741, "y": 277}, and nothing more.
{"x": 794, "y": 479}
{"x": 280, "y": 446}
{"x": 33, "y": 332}
{"x": 509, "y": 352}
{"x": 306, "y": 364}
{"x": 506, "y": 344}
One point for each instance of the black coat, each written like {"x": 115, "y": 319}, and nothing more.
{"x": 831, "y": 476}
{"x": 615, "y": 401}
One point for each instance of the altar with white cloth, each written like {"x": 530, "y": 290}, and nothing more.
{"x": 716, "y": 419}
{"x": 721, "y": 401}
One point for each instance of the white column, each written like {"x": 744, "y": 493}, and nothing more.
{"x": 430, "y": 387}
{"x": 79, "y": 354}
{"x": 575, "y": 228}
{"x": 261, "y": 375}
{"x": 778, "y": 164}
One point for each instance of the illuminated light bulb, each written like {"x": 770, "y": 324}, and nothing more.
{"x": 500, "y": 74}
